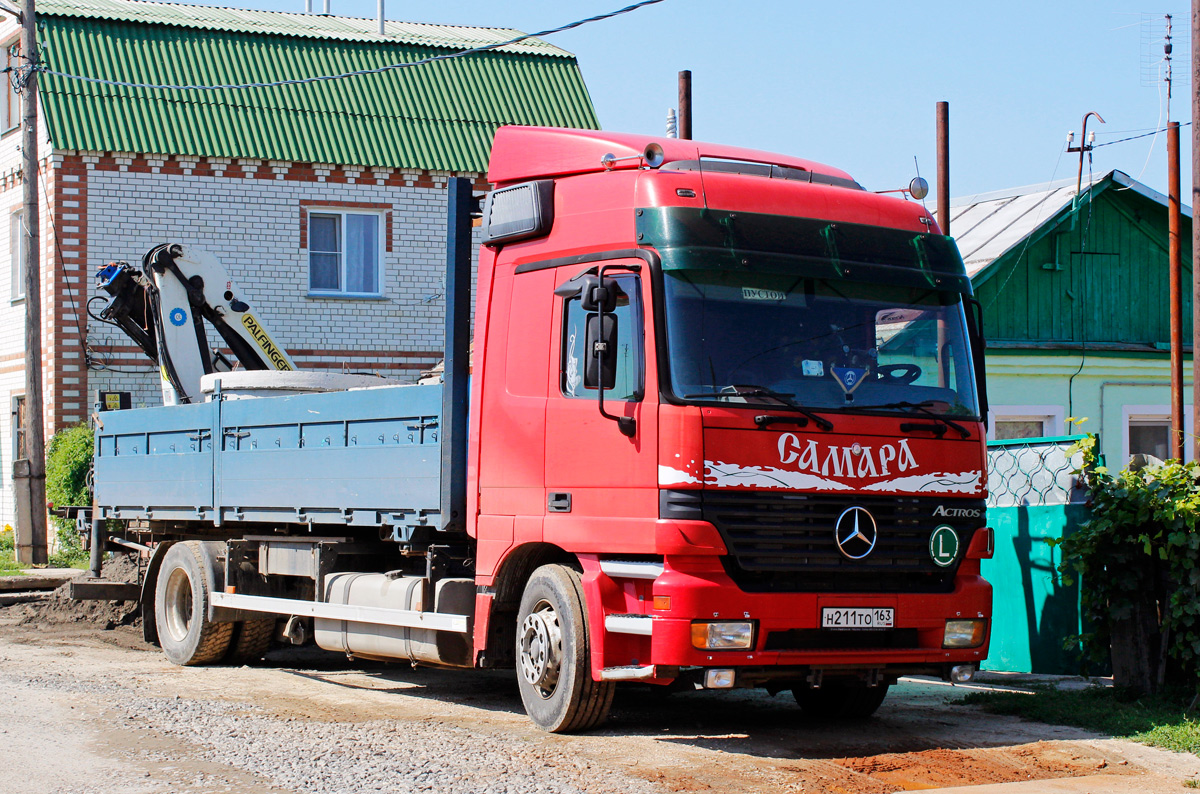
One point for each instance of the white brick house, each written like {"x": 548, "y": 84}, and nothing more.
{"x": 330, "y": 216}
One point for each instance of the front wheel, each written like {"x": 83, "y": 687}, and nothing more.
{"x": 553, "y": 669}
{"x": 841, "y": 701}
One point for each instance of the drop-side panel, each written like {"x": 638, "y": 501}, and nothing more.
{"x": 362, "y": 457}
{"x": 156, "y": 462}
{"x": 357, "y": 457}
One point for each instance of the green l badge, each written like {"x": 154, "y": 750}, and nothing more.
{"x": 943, "y": 545}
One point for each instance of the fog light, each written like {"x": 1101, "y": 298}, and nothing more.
{"x": 719, "y": 679}
{"x": 964, "y": 633}
{"x": 962, "y": 673}
{"x": 723, "y": 636}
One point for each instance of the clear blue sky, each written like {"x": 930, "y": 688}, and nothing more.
{"x": 854, "y": 84}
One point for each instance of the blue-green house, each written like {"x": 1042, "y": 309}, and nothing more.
{"x": 1075, "y": 297}
{"x": 1075, "y": 290}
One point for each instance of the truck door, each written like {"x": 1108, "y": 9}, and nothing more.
{"x": 601, "y": 483}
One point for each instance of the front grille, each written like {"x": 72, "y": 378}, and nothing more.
{"x": 784, "y": 542}
{"x": 828, "y": 640}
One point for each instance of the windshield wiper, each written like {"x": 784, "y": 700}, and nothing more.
{"x": 923, "y": 408}
{"x": 761, "y": 391}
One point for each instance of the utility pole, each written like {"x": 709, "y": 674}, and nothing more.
{"x": 1175, "y": 260}
{"x": 685, "y": 104}
{"x": 1195, "y": 226}
{"x": 943, "y": 166}
{"x": 35, "y": 439}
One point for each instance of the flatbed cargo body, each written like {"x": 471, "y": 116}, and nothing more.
{"x": 361, "y": 458}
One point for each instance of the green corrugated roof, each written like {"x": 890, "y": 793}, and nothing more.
{"x": 438, "y": 116}
{"x": 309, "y": 26}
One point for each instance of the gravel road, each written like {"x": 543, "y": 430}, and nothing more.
{"x": 84, "y": 709}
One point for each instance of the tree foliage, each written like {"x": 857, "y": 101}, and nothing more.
{"x": 68, "y": 482}
{"x": 1138, "y": 559}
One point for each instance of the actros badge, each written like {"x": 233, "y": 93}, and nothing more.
{"x": 855, "y": 533}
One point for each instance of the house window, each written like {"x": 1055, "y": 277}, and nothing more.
{"x": 1007, "y": 422}
{"x": 344, "y": 253}
{"x": 18, "y": 427}
{"x": 10, "y": 113}
{"x": 1150, "y": 437}
{"x": 17, "y": 252}
{"x": 1147, "y": 431}
{"x": 1011, "y": 427}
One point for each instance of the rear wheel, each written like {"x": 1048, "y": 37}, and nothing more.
{"x": 251, "y": 639}
{"x": 838, "y": 700}
{"x": 553, "y": 669}
{"x": 181, "y": 605}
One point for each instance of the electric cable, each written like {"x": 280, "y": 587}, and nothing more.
{"x": 1135, "y": 137}
{"x": 22, "y": 74}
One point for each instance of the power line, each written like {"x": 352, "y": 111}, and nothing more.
{"x": 1135, "y": 137}
{"x": 357, "y": 73}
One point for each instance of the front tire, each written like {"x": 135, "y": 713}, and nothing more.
{"x": 181, "y": 606}
{"x": 838, "y": 700}
{"x": 553, "y": 665}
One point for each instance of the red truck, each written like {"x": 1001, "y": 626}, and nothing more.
{"x": 725, "y": 430}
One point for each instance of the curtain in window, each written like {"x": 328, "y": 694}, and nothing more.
{"x": 324, "y": 268}
{"x": 362, "y": 253}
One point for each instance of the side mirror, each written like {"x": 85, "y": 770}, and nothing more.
{"x": 600, "y": 344}
{"x": 598, "y": 294}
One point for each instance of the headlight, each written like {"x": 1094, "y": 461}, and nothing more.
{"x": 964, "y": 633}
{"x": 723, "y": 636}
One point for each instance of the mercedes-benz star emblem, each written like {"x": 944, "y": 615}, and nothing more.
{"x": 855, "y": 533}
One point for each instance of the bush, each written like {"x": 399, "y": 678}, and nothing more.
{"x": 1139, "y": 561}
{"x": 68, "y": 480}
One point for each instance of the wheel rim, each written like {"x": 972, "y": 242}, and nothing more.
{"x": 178, "y": 604}
{"x": 541, "y": 649}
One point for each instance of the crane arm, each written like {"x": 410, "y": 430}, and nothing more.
{"x": 163, "y": 308}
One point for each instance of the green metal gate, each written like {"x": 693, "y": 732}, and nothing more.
{"x": 1033, "y": 497}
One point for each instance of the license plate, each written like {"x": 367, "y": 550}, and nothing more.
{"x": 857, "y": 618}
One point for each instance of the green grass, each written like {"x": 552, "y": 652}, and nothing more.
{"x": 8, "y": 562}
{"x": 1159, "y": 721}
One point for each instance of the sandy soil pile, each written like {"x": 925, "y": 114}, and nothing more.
{"x": 61, "y": 608}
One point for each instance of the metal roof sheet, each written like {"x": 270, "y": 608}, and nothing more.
{"x": 311, "y": 26}
{"x": 438, "y": 116}
{"x": 988, "y": 225}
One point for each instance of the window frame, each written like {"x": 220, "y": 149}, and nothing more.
{"x": 1052, "y": 417}
{"x": 638, "y": 319}
{"x": 1154, "y": 414}
{"x": 342, "y": 213}
{"x": 17, "y": 256}
{"x": 10, "y": 111}
{"x": 16, "y": 402}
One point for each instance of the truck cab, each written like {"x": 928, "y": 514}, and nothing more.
{"x": 741, "y": 398}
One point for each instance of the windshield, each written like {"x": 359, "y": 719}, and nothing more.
{"x": 775, "y": 339}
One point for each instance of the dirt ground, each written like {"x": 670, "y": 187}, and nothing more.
{"x": 85, "y": 708}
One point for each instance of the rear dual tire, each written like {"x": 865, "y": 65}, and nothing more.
{"x": 182, "y": 602}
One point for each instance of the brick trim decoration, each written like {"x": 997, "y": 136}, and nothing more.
{"x": 249, "y": 168}
{"x": 305, "y": 204}
{"x": 64, "y": 252}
